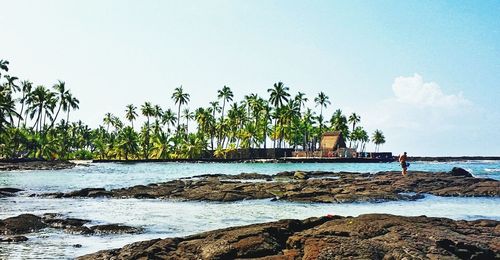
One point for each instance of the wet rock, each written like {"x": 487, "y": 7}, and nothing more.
{"x": 457, "y": 171}
{"x": 114, "y": 229}
{"x": 13, "y": 239}
{"x": 372, "y": 236}
{"x": 25, "y": 165}
{"x": 78, "y": 230}
{"x": 21, "y": 224}
{"x": 344, "y": 188}
{"x": 8, "y": 192}
{"x": 84, "y": 192}
{"x": 65, "y": 223}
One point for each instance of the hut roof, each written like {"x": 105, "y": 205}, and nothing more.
{"x": 332, "y": 140}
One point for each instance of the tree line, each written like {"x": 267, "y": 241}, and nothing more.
{"x": 35, "y": 123}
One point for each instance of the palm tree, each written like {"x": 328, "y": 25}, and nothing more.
{"x": 378, "y": 139}
{"x": 128, "y": 142}
{"x": 147, "y": 110}
{"x": 108, "y": 120}
{"x": 41, "y": 103}
{"x": 301, "y": 99}
{"x": 63, "y": 93}
{"x": 131, "y": 114}
{"x": 72, "y": 104}
{"x": 339, "y": 123}
{"x": 353, "y": 119}
{"x": 168, "y": 118}
{"x": 179, "y": 98}
{"x": 26, "y": 90}
{"x": 323, "y": 101}
{"x": 188, "y": 115}
{"x": 4, "y": 65}
{"x": 278, "y": 95}
{"x": 227, "y": 95}
{"x": 158, "y": 112}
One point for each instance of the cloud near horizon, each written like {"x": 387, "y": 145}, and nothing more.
{"x": 413, "y": 90}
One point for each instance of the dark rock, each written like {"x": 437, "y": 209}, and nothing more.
{"x": 372, "y": 236}
{"x": 13, "y": 239}
{"x": 457, "y": 171}
{"x": 65, "y": 223}
{"x": 25, "y": 165}
{"x": 8, "y": 192}
{"x": 77, "y": 245}
{"x": 21, "y": 224}
{"x": 114, "y": 229}
{"x": 345, "y": 188}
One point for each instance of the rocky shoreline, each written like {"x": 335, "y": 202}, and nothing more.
{"x": 28, "y": 165}
{"x": 325, "y": 187}
{"x": 13, "y": 229}
{"x": 372, "y": 236}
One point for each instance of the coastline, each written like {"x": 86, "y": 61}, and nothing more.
{"x": 32, "y": 164}
{"x": 370, "y": 236}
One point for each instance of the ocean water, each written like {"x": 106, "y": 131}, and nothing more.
{"x": 168, "y": 218}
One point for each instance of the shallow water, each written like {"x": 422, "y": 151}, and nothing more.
{"x": 167, "y": 218}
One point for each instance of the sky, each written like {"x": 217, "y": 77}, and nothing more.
{"x": 426, "y": 73}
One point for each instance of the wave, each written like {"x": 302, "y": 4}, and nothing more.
{"x": 492, "y": 169}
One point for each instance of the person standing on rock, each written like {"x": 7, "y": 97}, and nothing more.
{"x": 402, "y": 160}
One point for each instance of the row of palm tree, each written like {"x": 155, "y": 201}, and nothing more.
{"x": 30, "y": 127}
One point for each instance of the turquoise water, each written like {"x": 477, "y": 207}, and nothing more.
{"x": 117, "y": 175}
{"x": 167, "y": 218}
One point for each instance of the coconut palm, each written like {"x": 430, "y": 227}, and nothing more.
{"x": 188, "y": 115}
{"x": 226, "y": 94}
{"x": 168, "y": 118}
{"x": 180, "y": 98}
{"x": 108, "y": 120}
{"x": 353, "y": 119}
{"x": 63, "y": 94}
{"x": 147, "y": 110}
{"x": 72, "y": 104}
{"x": 4, "y": 65}
{"x": 323, "y": 101}
{"x": 278, "y": 95}
{"x": 301, "y": 99}
{"x": 378, "y": 139}
{"x": 128, "y": 142}
{"x": 339, "y": 123}
{"x": 131, "y": 114}
{"x": 26, "y": 90}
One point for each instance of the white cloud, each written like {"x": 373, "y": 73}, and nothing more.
{"x": 413, "y": 90}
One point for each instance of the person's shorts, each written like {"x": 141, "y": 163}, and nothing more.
{"x": 403, "y": 165}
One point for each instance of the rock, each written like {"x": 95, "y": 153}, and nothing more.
{"x": 344, "y": 188}
{"x": 372, "y": 236}
{"x": 8, "y": 192}
{"x": 114, "y": 229}
{"x": 65, "y": 223}
{"x": 13, "y": 239}
{"x": 300, "y": 175}
{"x": 457, "y": 171}
{"x": 77, "y": 245}
{"x": 26, "y": 165}
{"x": 21, "y": 224}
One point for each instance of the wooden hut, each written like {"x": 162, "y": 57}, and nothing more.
{"x": 331, "y": 143}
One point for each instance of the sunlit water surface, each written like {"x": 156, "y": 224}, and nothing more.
{"x": 166, "y": 218}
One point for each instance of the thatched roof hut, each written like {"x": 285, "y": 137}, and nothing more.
{"x": 332, "y": 141}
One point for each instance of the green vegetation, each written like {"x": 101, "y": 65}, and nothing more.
{"x": 31, "y": 125}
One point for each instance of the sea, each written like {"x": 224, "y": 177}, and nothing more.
{"x": 173, "y": 218}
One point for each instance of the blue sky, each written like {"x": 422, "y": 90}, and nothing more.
{"x": 424, "y": 72}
